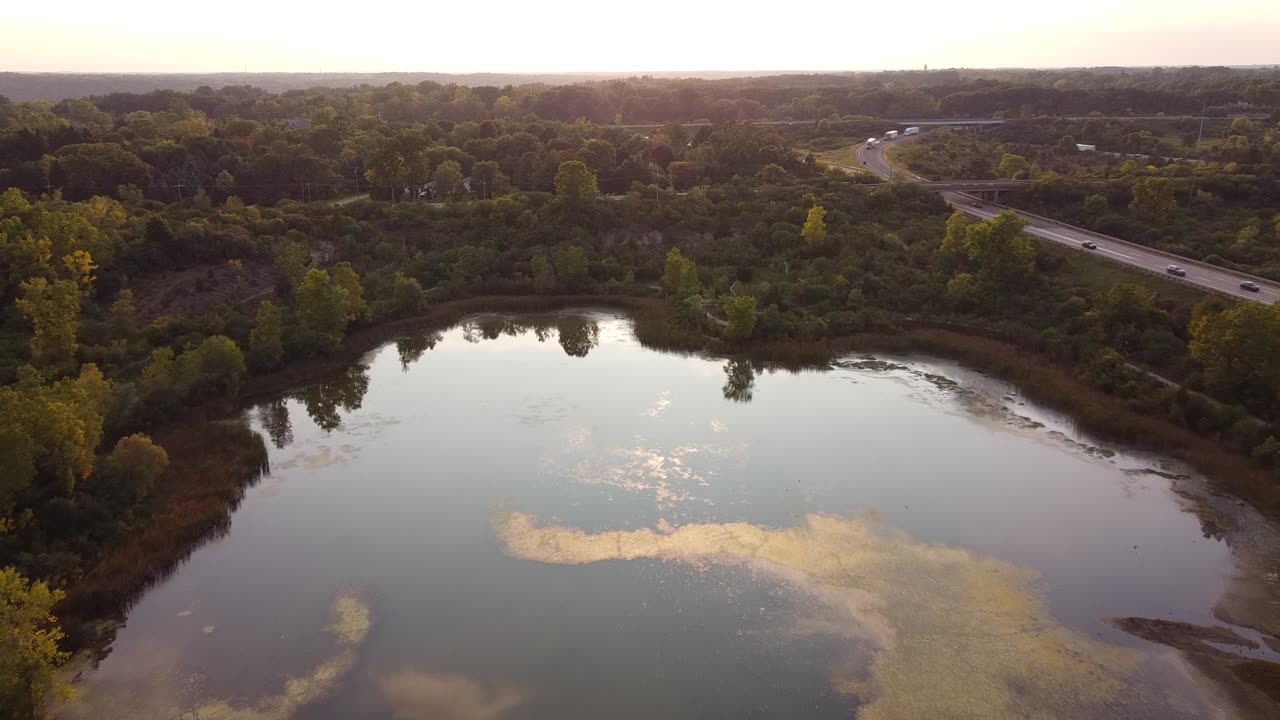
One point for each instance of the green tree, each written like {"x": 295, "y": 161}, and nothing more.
{"x": 1125, "y": 312}
{"x": 124, "y": 314}
{"x": 17, "y": 465}
{"x": 815, "y": 226}
{"x": 1003, "y": 254}
{"x": 1248, "y": 234}
{"x": 575, "y": 182}
{"x": 266, "y": 340}
{"x": 215, "y": 365}
{"x": 399, "y": 160}
{"x": 1011, "y": 166}
{"x": 291, "y": 261}
{"x": 225, "y": 182}
{"x": 473, "y": 263}
{"x": 29, "y": 654}
{"x": 406, "y": 295}
{"x": 161, "y": 370}
{"x": 54, "y": 311}
{"x": 684, "y": 174}
{"x": 773, "y": 173}
{"x": 1153, "y": 200}
{"x": 571, "y": 264}
{"x": 487, "y": 178}
{"x": 448, "y": 177}
{"x": 79, "y": 266}
{"x": 348, "y": 282}
{"x": 321, "y": 312}
{"x": 953, "y": 243}
{"x": 1238, "y": 348}
{"x": 53, "y": 430}
{"x": 741, "y": 313}
{"x": 544, "y": 274}
{"x": 681, "y": 275}
{"x": 599, "y": 156}
{"x": 1095, "y": 206}
{"x": 135, "y": 465}
{"x": 87, "y": 167}
{"x": 677, "y": 136}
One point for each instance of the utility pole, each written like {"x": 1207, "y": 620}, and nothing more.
{"x": 1200, "y": 137}
{"x": 1191, "y": 194}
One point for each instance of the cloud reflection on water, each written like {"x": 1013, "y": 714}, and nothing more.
{"x": 957, "y": 635}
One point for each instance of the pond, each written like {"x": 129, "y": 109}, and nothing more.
{"x": 537, "y": 517}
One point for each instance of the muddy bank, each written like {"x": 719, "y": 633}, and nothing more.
{"x": 1094, "y": 411}
{"x": 1249, "y": 685}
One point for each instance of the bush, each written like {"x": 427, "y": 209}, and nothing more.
{"x": 216, "y": 365}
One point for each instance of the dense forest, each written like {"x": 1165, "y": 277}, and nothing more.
{"x": 160, "y": 252}
{"x": 308, "y": 144}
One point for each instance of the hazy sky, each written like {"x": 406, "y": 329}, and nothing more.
{"x": 575, "y": 35}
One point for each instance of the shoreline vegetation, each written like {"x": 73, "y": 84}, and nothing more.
{"x": 215, "y": 461}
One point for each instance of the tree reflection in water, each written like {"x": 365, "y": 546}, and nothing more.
{"x": 411, "y": 348}
{"x": 274, "y": 417}
{"x": 740, "y": 380}
{"x": 492, "y": 327}
{"x": 578, "y": 335}
{"x": 345, "y": 392}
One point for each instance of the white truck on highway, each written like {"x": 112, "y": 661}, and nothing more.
{"x": 911, "y": 131}
{"x": 871, "y": 142}
{"x": 891, "y": 135}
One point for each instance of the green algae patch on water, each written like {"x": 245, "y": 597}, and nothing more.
{"x": 349, "y": 625}
{"x": 168, "y": 696}
{"x": 956, "y": 635}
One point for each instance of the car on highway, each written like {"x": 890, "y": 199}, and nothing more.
{"x": 1250, "y": 285}
{"x": 1176, "y": 270}
{"x": 1089, "y": 245}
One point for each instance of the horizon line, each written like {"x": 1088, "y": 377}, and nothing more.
{"x": 529, "y": 73}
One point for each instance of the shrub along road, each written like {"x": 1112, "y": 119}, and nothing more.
{"x": 1200, "y": 274}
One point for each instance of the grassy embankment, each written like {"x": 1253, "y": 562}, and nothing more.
{"x": 847, "y": 157}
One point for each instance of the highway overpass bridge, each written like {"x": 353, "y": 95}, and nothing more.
{"x": 985, "y": 189}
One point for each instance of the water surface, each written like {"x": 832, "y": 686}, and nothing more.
{"x": 538, "y": 518}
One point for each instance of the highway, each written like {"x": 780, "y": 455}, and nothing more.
{"x": 1200, "y": 274}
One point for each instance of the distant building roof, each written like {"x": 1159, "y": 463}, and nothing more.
{"x": 297, "y": 123}
{"x": 1086, "y": 148}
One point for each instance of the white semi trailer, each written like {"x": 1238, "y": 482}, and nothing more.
{"x": 911, "y": 131}
{"x": 891, "y": 135}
